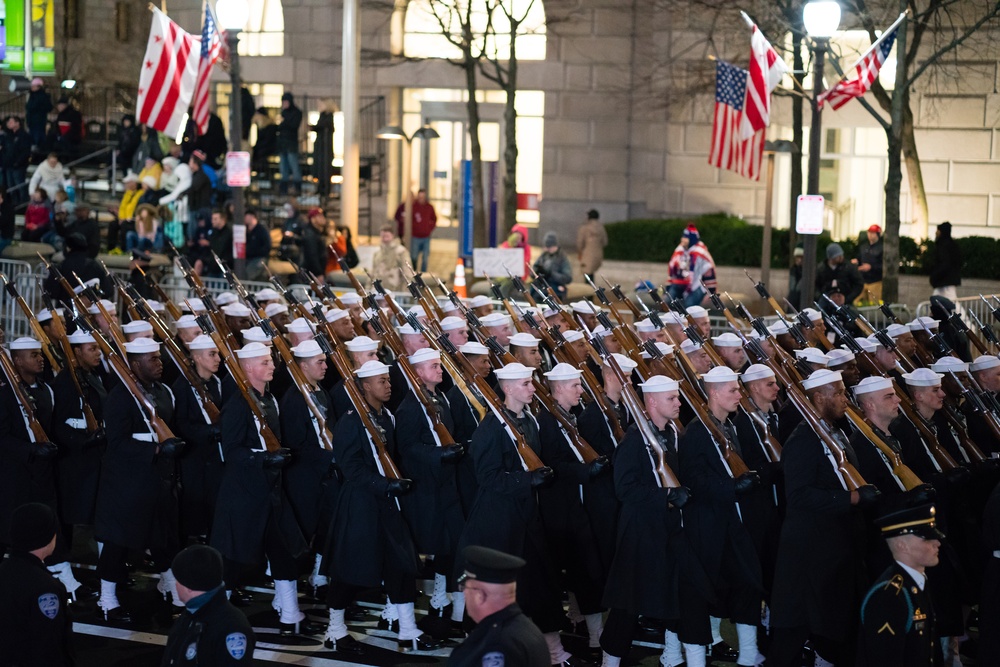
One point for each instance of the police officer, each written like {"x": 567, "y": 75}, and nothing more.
{"x": 503, "y": 635}
{"x": 211, "y": 631}
{"x": 897, "y": 617}
{"x": 34, "y": 627}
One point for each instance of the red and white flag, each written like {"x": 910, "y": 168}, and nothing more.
{"x": 169, "y": 73}
{"x": 211, "y": 48}
{"x": 866, "y": 69}
{"x": 766, "y": 69}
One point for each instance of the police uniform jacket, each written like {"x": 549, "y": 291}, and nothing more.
{"x": 78, "y": 466}
{"x": 310, "y": 483}
{"x": 505, "y": 638}
{"x": 897, "y": 624}
{"x": 368, "y": 536}
{"x": 24, "y": 478}
{"x": 34, "y": 626}
{"x": 251, "y": 495}
{"x": 201, "y": 460}
{"x": 135, "y": 504}
{"x": 433, "y": 509}
{"x": 215, "y": 634}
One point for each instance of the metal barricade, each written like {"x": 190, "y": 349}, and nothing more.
{"x": 965, "y": 305}
{"x": 20, "y": 274}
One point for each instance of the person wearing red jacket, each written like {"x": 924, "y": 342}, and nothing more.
{"x": 424, "y": 222}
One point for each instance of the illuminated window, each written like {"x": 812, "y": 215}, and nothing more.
{"x": 264, "y": 94}
{"x": 428, "y": 22}
{"x": 265, "y": 30}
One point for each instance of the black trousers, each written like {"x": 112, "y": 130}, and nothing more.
{"x": 739, "y": 597}
{"x": 284, "y": 565}
{"x": 786, "y": 648}
{"x": 111, "y": 565}
{"x": 401, "y": 589}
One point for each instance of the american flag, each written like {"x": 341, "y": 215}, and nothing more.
{"x": 167, "y": 79}
{"x": 728, "y": 150}
{"x": 211, "y": 47}
{"x": 867, "y": 70}
{"x": 766, "y": 69}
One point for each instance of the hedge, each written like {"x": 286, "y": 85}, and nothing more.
{"x": 735, "y": 242}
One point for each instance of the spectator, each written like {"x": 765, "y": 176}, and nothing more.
{"x": 795, "y": 277}
{"x": 149, "y": 146}
{"x": 148, "y": 232}
{"x": 519, "y": 239}
{"x": 702, "y": 269}
{"x": 291, "y": 232}
{"x": 81, "y": 222}
{"x": 591, "y": 240}
{"x": 246, "y": 112}
{"x": 67, "y": 132}
{"x": 323, "y": 147}
{"x": 152, "y": 167}
{"x": 314, "y": 242}
{"x": 77, "y": 260}
{"x": 266, "y": 146}
{"x": 390, "y": 261}
{"x": 62, "y": 207}
{"x": 946, "y": 266}
{"x": 838, "y": 279}
{"x": 344, "y": 246}
{"x": 49, "y": 176}
{"x": 199, "y": 246}
{"x": 199, "y": 195}
{"x": 37, "y": 218}
{"x": 213, "y": 143}
{"x": 869, "y": 263}
{"x": 176, "y": 181}
{"x": 553, "y": 265}
{"x": 679, "y": 269}
{"x": 220, "y": 241}
{"x": 288, "y": 145}
{"x": 258, "y": 247}
{"x": 36, "y": 112}
{"x": 16, "y": 156}
{"x": 148, "y": 193}
{"x": 7, "y": 221}
{"x": 424, "y": 222}
{"x": 128, "y": 142}
{"x": 124, "y": 213}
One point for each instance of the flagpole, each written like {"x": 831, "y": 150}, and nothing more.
{"x": 875, "y": 44}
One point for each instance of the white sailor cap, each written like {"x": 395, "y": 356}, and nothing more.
{"x": 201, "y": 342}
{"x": 371, "y": 369}
{"x": 895, "y": 330}
{"x": 664, "y": 348}
{"x": 645, "y": 326}
{"x": 689, "y": 346}
{"x": 236, "y": 310}
{"x": 335, "y": 314}
{"x": 350, "y": 299}
{"x": 156, "y": 306}
{"x": 778, "y": 328}
{"x": 756, "y": 372}
{"x": 672, "y": 318}
{"x": 255, "y": 335}
{"x": 514, "y": 371}
{"x": 273, "y": 309}
{"x": 93, "y": 282}
{"x": 922, "y": 377}
{"x": 867, "y": 345}
{"x": 80, "y": 337}
{"x": 495, "y": 320}
{"x": 136, "y": 326}
{"x": 44, "y": 315}
{"x": 573, "y": 335}
{"x": 299, "y": 325}
{"x": 267, "y": 294}
{"x": 584, "y": 307}
{"x": 873, "y": 340}
{"x": 821, "y": 377}
{"x": 599, "y": 330}
{"x": 306, "y": 349}
{"x": 524, "y": 340}
{"x": 452, "y": 323}
{"x": 225, "y": 298}
{"x": 194, "y": 305}
{"x": 417, "y": 311}
{"x": 696, "y": 312}
{"x": 479, "y": 301}
{"x": 949, "y": 364}
{"x": 563, "y": 371}
{"x": 873, "y": 383}
{"x": 108, "y": 306}
{"x": 186, "y": 322}
{"x": 625, "y": 363}
{"x": 361, "y": 344}
{"x": 813, "y": 356}
{"x": 253, "y": 350}
{"x": 142, "y": 346}
{"x": 548, "y": 311}
{"x": 25, "y": 343}
{"x": 727, "y": 340}
{"x": 407, "y": 330}
{"x": 813, "y": 314}
{"x": 983, "y": 362}
{"x": 472, "y": 347}
{"x": 659, "y": 383}
{"x": 425, "y": 354}
{"x": 921, "y": 323}
{"x": 720, "y": 374}
{"x": 445, "y": 305}
{"x": 837, "y": 356}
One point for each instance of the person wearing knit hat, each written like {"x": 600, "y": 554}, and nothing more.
{"x": 701, "y": 279}
{"x": 553, "y": 265}
{"x": 36, "y": 627}
{"x": 838, "y": 278}
{"x": 211, "y": 630}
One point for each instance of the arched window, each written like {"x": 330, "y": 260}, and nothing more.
{"x": 264, "y": 34}
{"x": 428, "y": 22}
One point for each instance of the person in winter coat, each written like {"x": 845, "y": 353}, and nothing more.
{"x": 323, "y": 148}
{"x": 390, "y": 260}
{"x": 16, "y": 155}
{"x": 37, "y": 218}
{"x": 553, "y": 265}
{"x": 176, "y": 180}
{"x": 946, "y": 269}
{"x": 314, "y": 242}
{"x": 149, "y": 146}
{"x": 49, "y": 176}
{"x": 869, "y": 263}
{"x": 7, "y": 222}
{"x": 288, "y": 144}
{"x": 267, "y": 140}
{"x": 128, "y": 141}
{"x": 424, "y": 222}
{"x": 519, "y": 239}
{"x": 591, "y": 239}
{"x": 213, "y": 143}
{"x": 37, "y": 110}
{"x": 199, "y": 194}
{"x": 837, "y": 278}
{"x": 67, "y": 132}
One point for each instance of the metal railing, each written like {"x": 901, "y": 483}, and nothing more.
{"x": 965, "y": 305}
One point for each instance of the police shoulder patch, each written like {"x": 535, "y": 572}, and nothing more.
{"x": 494, "y": 659}
{"x": 48, "y": 604}
{"x": 236, "y": 644}
{"x": 192, "y": 651}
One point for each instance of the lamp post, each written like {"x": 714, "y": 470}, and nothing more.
{"x": 821, "y": 19}
{"x": 394, "y": 133}
{"x": 233, "y": 15}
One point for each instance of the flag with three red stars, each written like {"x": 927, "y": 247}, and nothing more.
{"x": 169, "y": 73}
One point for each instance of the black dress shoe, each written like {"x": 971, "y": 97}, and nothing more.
{"x": 723, "y": 651}
{"x": 303, "y": 627}
{"x": 240, "y": 597}
{"x": 357, "y": 614}
{"x": 346, "y": 644}
{"x": 389, "y": 626}
{"x": 83, "y": 594}
{"x": 422, "y": 643}
{"x": 574, "y": 661}
{"x": 117, "y": 615}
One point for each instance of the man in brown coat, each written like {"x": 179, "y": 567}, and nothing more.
{"x": 590, "y": 242}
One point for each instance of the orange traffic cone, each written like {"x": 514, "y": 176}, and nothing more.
{"x": 459, "y": 284}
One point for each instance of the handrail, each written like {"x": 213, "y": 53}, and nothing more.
{"x": 80, "y": 160}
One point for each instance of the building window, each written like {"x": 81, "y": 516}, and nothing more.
{"x": 266, "y": 95}
{"x": 424, "y": 36}
{"x": 265, "y": 30}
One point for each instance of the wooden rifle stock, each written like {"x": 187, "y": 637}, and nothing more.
{"x": 73, "y": 367}
{"x": 172, "y": 308}
{"x": 35, "y": 430}
{"x": 36, "y": 327}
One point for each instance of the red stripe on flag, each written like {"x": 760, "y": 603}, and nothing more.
{"x": 155, "y": 87}
{"x": 174, "y": 93}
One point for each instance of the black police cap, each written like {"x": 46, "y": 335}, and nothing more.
{"x": 919, "y": 520}
{"x": 491, "y": 566}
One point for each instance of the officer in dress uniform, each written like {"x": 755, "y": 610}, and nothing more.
{"x": 897, "y": 616}
{"x": 34, "y": 626}
{"x": 503, "y": 635}
{"x": 211, "y": 631}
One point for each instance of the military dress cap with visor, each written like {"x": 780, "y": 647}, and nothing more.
{"x": 490, "y": 566}
{"x": 920, "y": 521}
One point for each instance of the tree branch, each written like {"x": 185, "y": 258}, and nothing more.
{"x": 955, "y": 43}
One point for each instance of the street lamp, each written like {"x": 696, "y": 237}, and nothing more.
{"x": 233, "y": 15}
{"x": 821, "y": 19}
{"x": 395, "y": 133}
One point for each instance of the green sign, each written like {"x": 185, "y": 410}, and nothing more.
{"x": 40, "y": 32}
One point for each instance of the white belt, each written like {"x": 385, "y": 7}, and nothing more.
{"x": 78, "y": 424}
{"x": 144, "y": 437}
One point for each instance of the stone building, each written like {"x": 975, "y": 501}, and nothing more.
{"x": 615, "y": 106}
